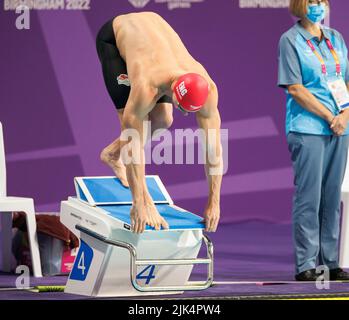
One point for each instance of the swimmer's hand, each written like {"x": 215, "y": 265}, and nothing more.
{"x": 211, "y": 217}
{"x": 143, "y": 214}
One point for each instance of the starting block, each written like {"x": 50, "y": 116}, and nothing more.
{"x": 112, "y": 261}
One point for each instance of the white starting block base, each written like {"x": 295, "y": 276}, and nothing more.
{"x": 152, "y": 260}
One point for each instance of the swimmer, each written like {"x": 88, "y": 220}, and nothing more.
{"x": 147, "y": 68}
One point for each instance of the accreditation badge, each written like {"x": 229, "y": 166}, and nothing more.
{"x": 339, "y": 92}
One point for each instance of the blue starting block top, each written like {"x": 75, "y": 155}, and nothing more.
{"x": 116, "y": 200}
{"x": 109, "y": 190}
{"x": 176, "y": 218}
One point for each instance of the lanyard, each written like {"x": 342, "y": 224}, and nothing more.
{"x": 334, "y": 54}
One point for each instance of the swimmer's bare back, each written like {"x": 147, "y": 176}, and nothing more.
{"x": 153, "y": 51}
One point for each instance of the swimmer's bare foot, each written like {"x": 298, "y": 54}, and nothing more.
{"x": 146, "y": 214}
{"x": 155, "y": 220}
{"x": 111, "y": 157}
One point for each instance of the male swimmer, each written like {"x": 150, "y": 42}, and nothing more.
{"x": 146, "y": 67}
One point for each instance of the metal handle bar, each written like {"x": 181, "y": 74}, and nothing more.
{"x": 191, "y": 286}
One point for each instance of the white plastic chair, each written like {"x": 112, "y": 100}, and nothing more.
{"x": 8, "y": 205}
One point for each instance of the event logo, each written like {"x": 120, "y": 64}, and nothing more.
{"x": 139, "y": 3}
{"x": 48, "y": 4}
{"x": 171, "y": 4}
{"x": 123, "y": 79}
{"x": 263, "y": 3}
{"x": 179, "y": 4}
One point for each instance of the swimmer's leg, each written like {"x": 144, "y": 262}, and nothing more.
{"x": 160, "y": 118}
{"x": 110, "y": 155}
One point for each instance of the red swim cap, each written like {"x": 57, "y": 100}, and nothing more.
{"x": 191, "y": 91}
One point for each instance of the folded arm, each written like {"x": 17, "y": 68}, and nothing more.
{"x": 309, "y": 102}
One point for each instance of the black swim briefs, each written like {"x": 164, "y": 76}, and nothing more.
{"x": 114, "y": 67}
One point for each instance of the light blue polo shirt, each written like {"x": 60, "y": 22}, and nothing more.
{"x": 299, "y": 65}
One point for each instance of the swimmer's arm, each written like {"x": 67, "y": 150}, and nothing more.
{"x": 132, "y": 151}
{"x": 136, "y": 111}
{"x": 209, "y": 118}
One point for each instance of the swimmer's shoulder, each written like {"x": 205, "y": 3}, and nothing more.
{"x": 137, "y": 18}
{"x": 142, "y": 14}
